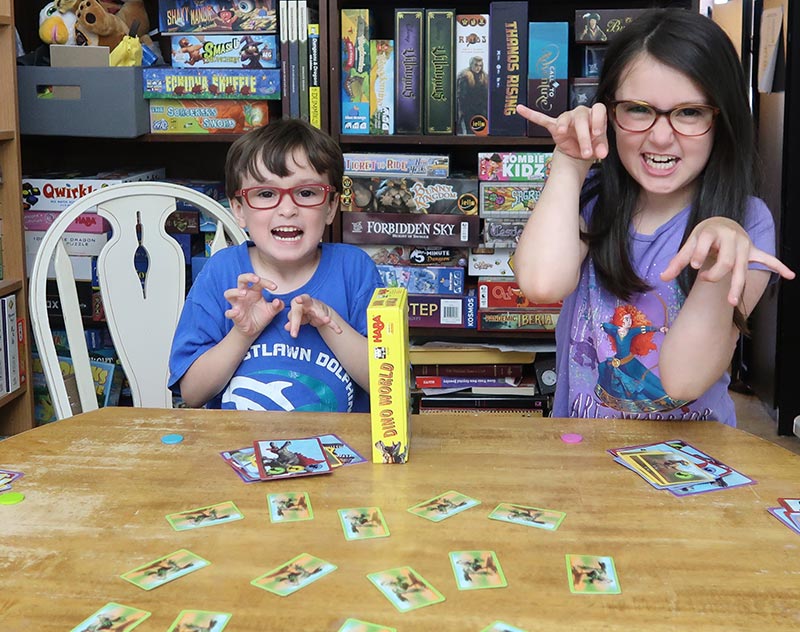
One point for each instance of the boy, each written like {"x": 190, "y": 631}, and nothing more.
{"x": 279, "y": 322}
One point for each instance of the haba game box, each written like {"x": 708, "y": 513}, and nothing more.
{"x": 389, "y": 375}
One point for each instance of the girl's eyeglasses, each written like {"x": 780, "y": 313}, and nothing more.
{"x": 306, "y": 195}
{"x": 687, "y": 119}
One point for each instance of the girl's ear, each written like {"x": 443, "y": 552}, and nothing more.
{"x": 238, "y": 211}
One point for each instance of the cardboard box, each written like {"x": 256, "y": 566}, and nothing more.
{"x": 409, "y": 54}
{"x": 381, "y": 87}
{"x": 502, "y": 233}
{"x": 233, "y": 50}
{"x": 206, "y": 116}
{"x": 500, "y": 292}
{"x": 410, "y": 230}
{"x": 355, "y": 70}
{"x": 417, "y": 256}
{"x": 438, "y": 95}
{"x": 602, "y": 25}
{"x": 514, "y": 166}
{"x": 389, "y": 375}
{"x": 419, "y": 280}
{"x": 397, "y": 165}
{"x": 548, "y": 71}
{"x": 84, "y": 223}
{"x": 213, "y": 83}
{"x": 491, "y": 262}
{"x": 509, "y": 200}
{"x": 57, "y": 190}
{"x": 472, "y": 74}
{"x": 96, "y": 102}
{"x": 191, "y": 16}
{"x": 433, "y": 196}
{"x": 521, "y": 319}
{"x": 432, "y": 310}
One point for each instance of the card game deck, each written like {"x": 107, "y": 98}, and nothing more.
{"x": 200, "y": 620}
{"x": 165, "y": 569}
{"x": 363, "y": 523}
{"x": 279, "y": 459}
{"x": 405, "y": 588}
{"x": 123, "y": 618}
{"x": 477, "y": 569}
{"x": 295, "y": 574}
{"x": 289, "y": 507}
{"x": 592, "y": 574}
{"x": 528, "y": 516}
{"x": 443, "y": 506}
{"x": 205, "y": 516}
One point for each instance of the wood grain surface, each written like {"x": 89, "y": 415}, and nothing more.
{"x": 98, "y": 487}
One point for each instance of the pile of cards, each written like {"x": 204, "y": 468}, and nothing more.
{"x": 7, "y": 477}
{"x": 273, "y": 459}
{"x": 679, "y": 467}
{"x": 788, "y": 512}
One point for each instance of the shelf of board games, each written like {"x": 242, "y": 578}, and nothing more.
{"x": 16, "y": 408}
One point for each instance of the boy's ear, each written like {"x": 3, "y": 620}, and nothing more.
{"x": 333, "y": 206}
{"x": 238, "y": 212}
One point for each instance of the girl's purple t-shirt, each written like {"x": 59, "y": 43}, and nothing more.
{"x": 603, "y": 370}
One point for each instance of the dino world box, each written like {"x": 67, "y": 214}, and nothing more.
{"x": 389, "y": 375}
{"x": 190, "y": 16}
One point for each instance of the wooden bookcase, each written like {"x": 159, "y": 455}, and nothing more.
{"x": 16, "y": 408}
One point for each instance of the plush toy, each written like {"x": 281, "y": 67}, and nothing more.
{"x": 56, "y": 27}
{"x": 130, "y": 12}
{"x": 96, "y": 26}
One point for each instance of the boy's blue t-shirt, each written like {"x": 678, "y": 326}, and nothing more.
{"x": 279, "y": 372}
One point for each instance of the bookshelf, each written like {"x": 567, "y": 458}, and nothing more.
{"x": 16, "y": 408}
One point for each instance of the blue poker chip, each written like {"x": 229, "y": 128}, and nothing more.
{"x": 170, "y": 439}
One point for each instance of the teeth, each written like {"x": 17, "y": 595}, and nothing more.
{"x": 287, "y": 234}
{"x": 658, "y": 161}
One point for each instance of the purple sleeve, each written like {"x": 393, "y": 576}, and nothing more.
{"x": 760, "y": 225}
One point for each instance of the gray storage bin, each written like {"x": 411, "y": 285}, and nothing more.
{"x": 106, "y": 102}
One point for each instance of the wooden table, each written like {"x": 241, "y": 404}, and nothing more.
{"x": 98, "y": 486}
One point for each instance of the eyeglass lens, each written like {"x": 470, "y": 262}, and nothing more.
{"x": 270, "y": 197}
{"x": 689, "y": 120}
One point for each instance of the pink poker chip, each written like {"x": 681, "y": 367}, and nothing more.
{"x": 571, "y": 437}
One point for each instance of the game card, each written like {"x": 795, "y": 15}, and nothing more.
{"x": 781, "y": 514}
{"x": 289, "y": 507}
{"x": 477, "y": 569}
{"x": 9, "y": 476}
{"x": 205, "y": 516}
{"x": 243, "y": 462}
{"x": 200, "y": 621}
{"x": 592, "y": 574}
{"x": 443, "y": 506}
{"x": 354, "y": 625}
{"x": 330, "y": 454}
{"x": 295, "y": 574}
{"x": 279, "y": 459}
{"x": 165, "y": 569}
{"x": 672, "y": 467}
{"x": 343, "y": 452}
{"x": 549, "y": 519}
{"x": 363, "y": 523}
{"x": 791, "y": 505}
{"x": 405, "y": 588}
{"x": 122, "y": 618}
{"x": 501, "y": 626}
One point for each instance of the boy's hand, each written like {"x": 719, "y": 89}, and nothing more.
{"x": 719, "y": 246}
{"x": 249, "y": 310}
{"x": 578, "y": 133}
{"x": 305, "y": 310}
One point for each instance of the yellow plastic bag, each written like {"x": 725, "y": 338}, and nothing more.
{"x": 127, "y": 53}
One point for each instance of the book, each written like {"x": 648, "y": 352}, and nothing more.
{"x": 508, "y": 69}
{"x": 472, "y": 76}
{"x": 447, "y": 353}
{"x": 302, "y": 58}
{"x": 439, "y": 66}
{"x": 314, "y": 84}
{"x": 468, "y": 402}
{"x": 469, "y": 370}
{"x": 409, "y": 40}
{"x": 443, "y": 381}
{"x": 283, "y": 41}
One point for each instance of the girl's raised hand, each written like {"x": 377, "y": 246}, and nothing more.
{"x": 305, "y": 310}
{"x": 249, "y": 310}
{"x": 578, "y": 133}
{"x": 719, "y": 246}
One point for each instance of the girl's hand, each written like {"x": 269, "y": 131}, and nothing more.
{"x": 249, "y": 310}
{"x": 719, "y": 246}
{"x": 578, "y": 133}
{"x": 305, "y": 310}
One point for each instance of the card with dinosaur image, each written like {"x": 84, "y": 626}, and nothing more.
{"x": 355, "y": 625}
{"x": 443, "y": 506}
{"x": 293, "y": 575}
{"x": 289, "y": 507}
{"x": 501, "y": 626}
{"x": 243, "y": 462}
{"x": 363, "y": 523}
{"x": 592, "y": 574}
{"x": 549, "y": 519}
{"x": 200, "y": 621}
{"x": 205, "y": 516}
{"x": 282, "y": 458}
{"x": 477, "y": 569}
{"x": 346, "y": 454}
{"x": 113, "y": 616}
{"x": 791, "y": 505}
{"x": 165, "y": 569}
{"x": 405, "y": 588}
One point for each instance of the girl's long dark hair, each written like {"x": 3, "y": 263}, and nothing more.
{"x": 697, "y": 47}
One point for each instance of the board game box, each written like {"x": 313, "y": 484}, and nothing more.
{"x": 212, "y": 83}
{"x": 509, "y": 199}
{"x": 431, "y": 310}
{"x": 389, "y": 375}
{"x": 206, "y": 116}
{"x": 417, "y": 256}
{"x": 189, "y": 16}
{"x": 472, "y": 74}
{"x": 514, "y": 166}
{"x": 410, "y": 230}
{"x": 239, "y": 50}
{"x": 397, "y": 165}
{"x": 439, "y": 196}
{"x": 419, "y": 280}
{"x": 355, "y": 71}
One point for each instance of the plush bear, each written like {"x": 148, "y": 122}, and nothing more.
{"x": 96, "y": 26}
{"x": 129, "y": 11}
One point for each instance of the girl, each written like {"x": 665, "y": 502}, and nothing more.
{"x": 663, "y": 239}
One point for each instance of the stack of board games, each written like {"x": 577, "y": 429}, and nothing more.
{"x": 225, "y": 67}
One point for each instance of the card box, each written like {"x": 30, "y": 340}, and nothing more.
{"x": 501, "y": 293}
{"x": 189, "y": 16}
{"x": 502, "y": 233}
{"x": 389, "y": 375}
{"x": 381, "y": 87}
{"x": 490, "y": 262}
{"x": 206, "y": 116}
{"x": 433, "y": 196}
{"x": 212, "y": 83}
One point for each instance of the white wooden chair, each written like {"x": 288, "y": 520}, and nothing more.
{"x": 141, "y": 312}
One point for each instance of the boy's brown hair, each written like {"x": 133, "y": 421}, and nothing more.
{"x": 272, "y": 145}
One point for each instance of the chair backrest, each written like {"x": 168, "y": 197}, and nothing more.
{"x": 141, "y": 307}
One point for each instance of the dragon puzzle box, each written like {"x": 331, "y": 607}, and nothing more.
{"x": 389, "y": 375}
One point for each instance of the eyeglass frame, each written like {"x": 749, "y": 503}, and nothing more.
{"x": 328, "y": 188}
{"x": 612, "y": 106}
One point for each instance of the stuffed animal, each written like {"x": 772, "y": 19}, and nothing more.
{"x": 129, "y": 11}
{"x": 56, "y": 27}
